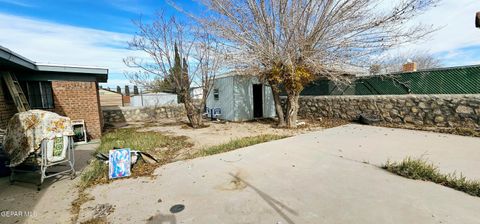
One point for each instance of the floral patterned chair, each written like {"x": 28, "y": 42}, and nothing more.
{"x": 37, "y": 140}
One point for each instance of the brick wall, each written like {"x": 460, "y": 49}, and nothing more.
{"x": 79, "y": 100}
{"x": 126, "y": 100}
{"x": 7, "y": 107}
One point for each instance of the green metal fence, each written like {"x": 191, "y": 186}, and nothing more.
{"x": 456, "y": 80}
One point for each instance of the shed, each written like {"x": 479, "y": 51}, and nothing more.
{"x": 241, "y": 98}
{"x": 196, "y": 93}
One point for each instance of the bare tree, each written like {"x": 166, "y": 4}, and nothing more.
{"x": 179, "y": 53}
{"x": 394, "y": 62}
{"x": 293, "y": 42}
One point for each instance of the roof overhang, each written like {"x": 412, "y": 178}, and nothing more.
{"x": 19, "y": 62}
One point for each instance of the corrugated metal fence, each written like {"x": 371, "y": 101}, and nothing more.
{"x": 459, "y": 80}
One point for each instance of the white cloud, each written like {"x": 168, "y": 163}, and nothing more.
{"x": 17, "y": 3}
{"x": 132, "y": 6}
{"x": 117, "y": 82}
{"x": 48, "y": 42}
{"x": 456, "y": 19}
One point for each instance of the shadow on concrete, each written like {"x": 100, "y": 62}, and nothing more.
{"x": 24, "y": 197}
{"x": 275, "y": 204}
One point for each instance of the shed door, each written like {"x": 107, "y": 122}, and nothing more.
{"x": 257, "y": 100}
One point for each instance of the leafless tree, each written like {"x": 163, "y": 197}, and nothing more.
{"x": 182, "y": 53}
{"x": 293, "y": 42}
{"x": 394, "y": 62}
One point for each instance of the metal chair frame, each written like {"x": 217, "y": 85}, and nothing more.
{"x": 44, "y": 164}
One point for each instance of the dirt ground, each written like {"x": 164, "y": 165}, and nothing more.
{"x": 220, "y": 132}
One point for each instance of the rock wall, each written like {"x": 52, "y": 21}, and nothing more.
{"x": 429, "y": 110}
{"x": 136, "y": 114}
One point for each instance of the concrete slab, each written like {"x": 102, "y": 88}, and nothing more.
{"x": 318, "y": 177}
{"x": 376, "y": 145}
{"x": 50, "y": 205}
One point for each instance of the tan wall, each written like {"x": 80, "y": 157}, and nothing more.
{"x": 79, "y": 100}
{"x": 108, "y": 98}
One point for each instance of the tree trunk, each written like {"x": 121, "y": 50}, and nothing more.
{"x": 194, "y": 115}
{"x": 278, "y": 105}
{"x": 292, "y": 109}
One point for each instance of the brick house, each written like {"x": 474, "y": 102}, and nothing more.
{"x": 70, "y": 91}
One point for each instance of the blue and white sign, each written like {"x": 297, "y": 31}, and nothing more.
{"x": 119, "y": 163}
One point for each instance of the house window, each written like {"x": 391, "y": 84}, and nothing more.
{"x": 39, "y": 94}
{"x": 6, "y": 94}
{"x": 215, "y": 94}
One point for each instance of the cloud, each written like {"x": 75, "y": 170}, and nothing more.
{"x": 118, "y": 82}
{"x": 457, "y": 43}
{"x": 48, "y": 42}
{"x": 457, "y": 33}
{"x": 132, "y": 6}
{"x": 17, "y": 3}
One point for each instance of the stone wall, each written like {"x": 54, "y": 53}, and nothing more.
{"x": 136, "y": 114}
{"x": 428, "y": 110}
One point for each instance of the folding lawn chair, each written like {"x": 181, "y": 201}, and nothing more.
{"x": 53, "y": 152}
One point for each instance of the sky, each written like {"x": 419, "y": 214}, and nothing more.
{"x": 95, "y": 33}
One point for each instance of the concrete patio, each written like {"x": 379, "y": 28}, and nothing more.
{"x": 329, "y": 176}
{"x": 50, "y": 205}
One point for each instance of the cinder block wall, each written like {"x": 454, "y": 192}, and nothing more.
{"x": 79, "y": 100}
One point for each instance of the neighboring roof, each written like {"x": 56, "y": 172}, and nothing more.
{"x": 12, "y": 59}
{"x": 229, "y": 74}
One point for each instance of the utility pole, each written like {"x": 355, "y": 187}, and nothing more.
{"x": 477, "y": 20}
